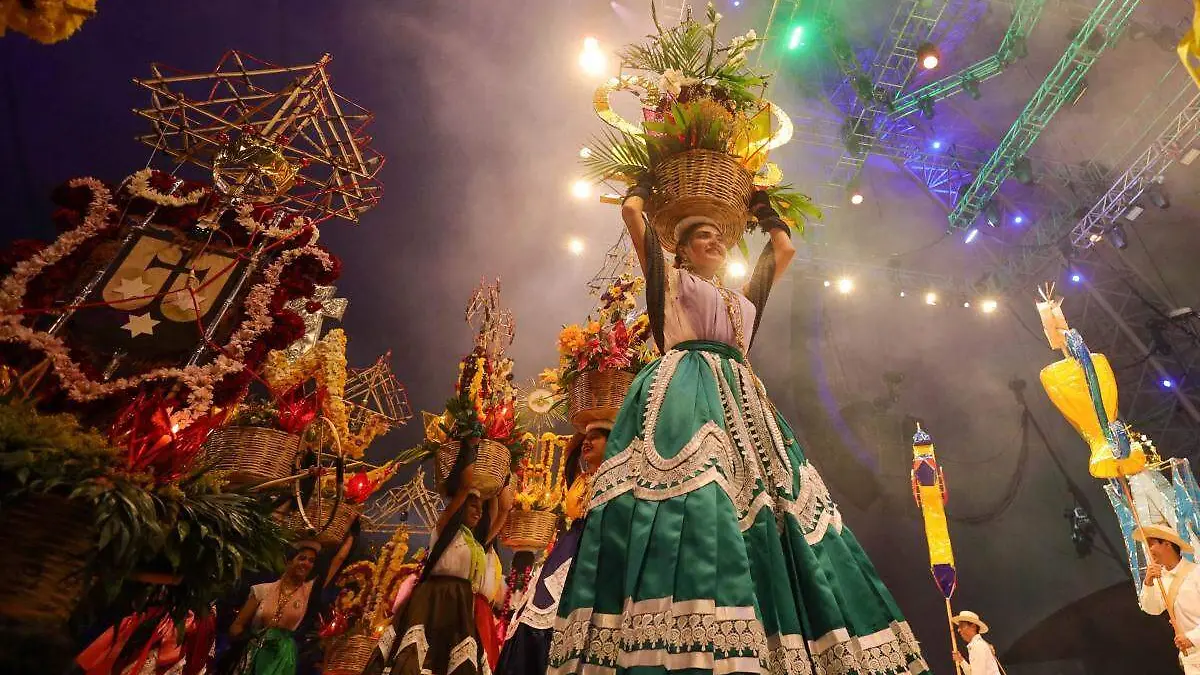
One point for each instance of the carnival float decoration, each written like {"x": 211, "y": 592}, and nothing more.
{"x": 478, "y": 431}
{"x": 705, "y": 133}
{"x": 598, "y": 359}
{"x": 364, "y": 604}
{"x": 412, "y": 506}
{"x": 929, "y": 491}
{"x": 1142, "y": 487}
{"x": 538, "y": 487}
{"x": 148, "y": 318}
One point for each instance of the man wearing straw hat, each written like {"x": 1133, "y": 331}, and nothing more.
{"x": 1172, "y": 586}
{"x": 981, "y": 656}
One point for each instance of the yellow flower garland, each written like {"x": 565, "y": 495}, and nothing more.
{"x": 326, "y": 363}
{"x": 49, "y": 21}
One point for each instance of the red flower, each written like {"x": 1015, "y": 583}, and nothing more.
{"x": 288, "y": 328}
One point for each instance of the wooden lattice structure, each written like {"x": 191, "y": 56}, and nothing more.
{"x": 268, "y": 133}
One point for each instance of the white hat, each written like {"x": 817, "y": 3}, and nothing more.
{"x": 1162, "y": 532}
{"x": 970, "y": 617}
{"x": 607, "y": 425}
{"x": 687, "y": 223}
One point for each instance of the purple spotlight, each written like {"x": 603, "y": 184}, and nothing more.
{"x": 737, "y": 3}
{"x": 937, "y": 145}
{"x": 1019, "y": 219}
{"x": 1076, "y": 277}
{"x": 972, "y": 235}
{"x": 1167, "y": 383}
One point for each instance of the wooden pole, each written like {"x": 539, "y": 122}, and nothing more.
{"x": 953, "y": 640}
{"x": 1137, "y": 520}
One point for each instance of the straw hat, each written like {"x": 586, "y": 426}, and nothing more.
{"x": 1162, "y": 532}
{"x": 970, "y": 617}
{"x": 309, "y": 544}
{"x": 607, "y": 425}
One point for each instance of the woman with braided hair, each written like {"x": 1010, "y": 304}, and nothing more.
{"x": 711, "y": 543}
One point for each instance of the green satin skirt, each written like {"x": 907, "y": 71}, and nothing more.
{"x": 712, "y": 545}
{"x": 271, "y": 652}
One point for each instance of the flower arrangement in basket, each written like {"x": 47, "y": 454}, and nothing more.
{"x": 363, "y": 606}
{"x": 478, "y": 434}
{"x": 120, "y": 524}
{"x": 706, "y": 130}
{"x": 598, "y": 360}
{"x": 538, "y": 494}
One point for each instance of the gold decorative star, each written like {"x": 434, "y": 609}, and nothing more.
{"x": 140, "y": 324}
{"x": 132, "y": 287}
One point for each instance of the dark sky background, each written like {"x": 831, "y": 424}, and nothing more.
{"x": 480, "y": 110}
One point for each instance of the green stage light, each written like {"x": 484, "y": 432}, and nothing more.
{"x": 796, "y": 37}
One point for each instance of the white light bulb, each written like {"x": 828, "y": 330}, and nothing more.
{"x": 845, "y": 285}
{"x": 575, "y": 246}
{"x": 737, "y": 269}
{"x": 581, "y": 189}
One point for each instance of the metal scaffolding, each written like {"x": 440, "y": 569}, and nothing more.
{"x": 1064, "y": 83}
{"x": 1012, "y": 47}
{"x": 1145, "y": 171}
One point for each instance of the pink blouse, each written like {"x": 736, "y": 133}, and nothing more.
{"x": 695, "y": 310}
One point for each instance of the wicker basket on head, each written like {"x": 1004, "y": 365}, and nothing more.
{"x": 529, "y": 530}
{"x": 701, "y": 183}
{"x": 597, "y": 395}
{"x": 47, "y": 540}
{"x": 252, "y": 455}
{"x": 349, "y": 653}
{"x": 490, "y": 469}
{"x": 338, "y": 527}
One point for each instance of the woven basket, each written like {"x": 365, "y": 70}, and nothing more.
{"x": 490, "y": 468}
{"x": 701, "y": 183}
{"x": 338, "y": 528}
{"x": 46, "y": 542}
{"x": 530, "y": 530}
{"x": 348, "y": 654}
{"x": 597, "y": 395}
{"x": 252, "y": 455}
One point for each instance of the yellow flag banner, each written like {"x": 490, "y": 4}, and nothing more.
{"x": 1189, "y": 46}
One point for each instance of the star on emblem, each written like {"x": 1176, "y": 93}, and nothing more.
{"x": 140, "y": 324}
{"x": 131, "y": 287}
{"x": 183, "y": 300}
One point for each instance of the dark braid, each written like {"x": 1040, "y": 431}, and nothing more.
{"x": 759, "y": 288}
{"x": 656, "y": 291}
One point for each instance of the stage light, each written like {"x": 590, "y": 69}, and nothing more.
{"x": 845, "y": 285}
{"x": 1022, "y": 170}
{"x": 970, "y": 85}
{"x": 929, "y": 56}
{"x": 796, "y": 38}
{"x": 972, "y": 235}
{"x": 1018, "y": 219}
{"x": 936, "y": 145}
{"x": 857, "y": 198}
{"x": 1116, "y": 236}
{"x": 581, "y": 189}
{"x": 925, "y": 105}
{"x": 737, "y": 3}
{"x": 828, "y": 283}
{"x": 966, "y": 304}
{"x": 575, "y": 246}
{"x": 931, "y": 298}
{"x": 1076, "y": 277}
{"x": 988, "y": 306}
{"x": 737, "y": 269}
{"x": 585, "y": 152}
{"x": 1167, "y": 383}
{"x": 902, "y": 294}
{"x": 591, "y": 59}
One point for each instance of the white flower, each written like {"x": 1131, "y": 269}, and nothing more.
{"x": 673, "y": 81}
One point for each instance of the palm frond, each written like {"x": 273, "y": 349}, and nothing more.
{"x": 616, "y": 153}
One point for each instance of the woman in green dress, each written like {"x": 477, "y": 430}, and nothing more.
{"x": 271, "y": 615}
{"x": 712, "y": 545}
